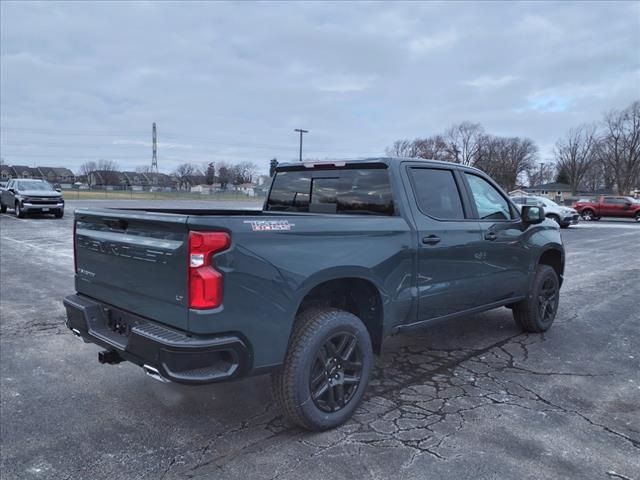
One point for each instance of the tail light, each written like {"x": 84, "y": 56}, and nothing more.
{"x": 205, "y": 282}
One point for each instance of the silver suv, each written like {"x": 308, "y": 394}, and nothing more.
{"x": 563, "y": 216}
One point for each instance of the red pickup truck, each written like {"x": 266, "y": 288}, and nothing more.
{"x": 608, "y": 206}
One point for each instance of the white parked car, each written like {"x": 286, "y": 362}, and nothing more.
{"x": 563, "y": 216}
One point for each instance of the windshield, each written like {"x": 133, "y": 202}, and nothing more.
{"x": 31, "y": 185}
{"x": 548, "y": 203}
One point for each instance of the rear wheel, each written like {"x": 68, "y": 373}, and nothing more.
{"x": 537, "y": 312}
{"x": 326, "y": 369}
{"x": 638, "y": 217}
{"x": 19, "y": 211}
{"x": 588, "y": 214}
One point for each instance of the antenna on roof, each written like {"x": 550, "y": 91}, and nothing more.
{"x": 154, "y": 155}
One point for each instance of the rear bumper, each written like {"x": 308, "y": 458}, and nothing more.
{"x": 171, "y": 353}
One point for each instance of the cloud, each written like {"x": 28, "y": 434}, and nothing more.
{"x": 425, "y": 44}
{"x": 488, "y": 81}
{"x": 340, "y": 83}
{"x": 225, "y": 81}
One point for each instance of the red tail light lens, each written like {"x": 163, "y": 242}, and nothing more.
{"x": 205, "y": 282}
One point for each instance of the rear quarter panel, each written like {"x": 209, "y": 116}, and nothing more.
{"x": 267, "y": 273}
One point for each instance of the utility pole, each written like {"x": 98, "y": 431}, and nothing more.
{"x": 301, "y": 132}
{"x": 154, "y": 155}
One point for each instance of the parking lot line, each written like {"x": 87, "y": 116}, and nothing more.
{"x": 12, "y": 216}
{"x": 38, "y": 247}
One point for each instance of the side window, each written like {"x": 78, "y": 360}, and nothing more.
{"x": 490, "y": 203}
{"x": 436, "y": 193}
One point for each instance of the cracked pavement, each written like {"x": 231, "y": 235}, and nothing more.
{"x": 471, "y": 398}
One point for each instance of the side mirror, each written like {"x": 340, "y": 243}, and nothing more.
{"x": 532, "y": 215}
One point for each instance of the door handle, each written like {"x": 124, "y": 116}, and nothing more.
{"x": 431, "y": 240}
{"x": 490, "y": 236}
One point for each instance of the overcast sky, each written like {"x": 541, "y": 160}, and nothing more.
{"x": 83, "y": 81}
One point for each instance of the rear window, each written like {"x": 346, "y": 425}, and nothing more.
{"x": 348, "y": 191}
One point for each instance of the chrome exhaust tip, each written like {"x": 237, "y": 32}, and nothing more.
{"x": 154, "y": 373}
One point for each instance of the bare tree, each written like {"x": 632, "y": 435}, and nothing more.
{"x": 85, "y": 169}
{"x": 506, "y": 160}
{"x": 575, "y": 154}
{"x": 144, "y": 169}
{"x": 540, "y": 173}
{"x": 464, "y": 142}
{"x": 182, "y": 173}
{"x": 402, "y": 148}
{"x": 619, "y": 147}
{"x": 433, "y": 148}
{"x": 107, "y": 165}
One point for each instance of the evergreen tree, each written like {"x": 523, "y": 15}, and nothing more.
{"x": 563, "y": 176}
{"x": 211, "y": 173}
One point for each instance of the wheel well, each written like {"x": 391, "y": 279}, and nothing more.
{"x": 553, "y": 258}
{"x": 354, "y": 295}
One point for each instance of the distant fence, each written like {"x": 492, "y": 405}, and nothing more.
{"x": 123, "y": 193}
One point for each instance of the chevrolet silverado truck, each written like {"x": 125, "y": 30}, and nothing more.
{"x": 341, "y": 256}
{"x": 608, "y": 206}
{"x": 28, "y": 195}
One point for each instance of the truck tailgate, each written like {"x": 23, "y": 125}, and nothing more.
{"x": 136, "y": 261}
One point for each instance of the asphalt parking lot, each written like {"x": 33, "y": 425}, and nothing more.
{"x": 469, "y": 399}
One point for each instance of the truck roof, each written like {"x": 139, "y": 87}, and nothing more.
{"x": 389, "y": 161}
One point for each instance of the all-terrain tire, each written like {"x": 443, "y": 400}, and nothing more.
{"x": 334, "y": 347}
{"x": 537, "y": 312}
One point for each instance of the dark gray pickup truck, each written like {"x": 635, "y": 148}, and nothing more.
{"x": 342, "y": 255}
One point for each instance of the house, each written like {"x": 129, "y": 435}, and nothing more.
{"x": 246, "y": 188}
{"x": 6, "y": 172}
{"x": 107, "y": 179}
{"x": 136, "y": 180}
{"x": 55, "y": 175}
{"x": 555, "y": 191}
{"x": 20, "y": 171}
{"x": 159, "y": 180}
{"x": 204, "y": 189}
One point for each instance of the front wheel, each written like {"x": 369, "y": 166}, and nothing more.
{"x": 537, "y": 312}
{"x": 3, "y": 208}
{"x": 19, "y": 211}
{"x": 59, "y": 214}
{"x": 588, "y": 215}
{"x": 326, "y": 369}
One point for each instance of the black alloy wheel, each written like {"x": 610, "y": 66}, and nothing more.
{"x": 336, "y": 372}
